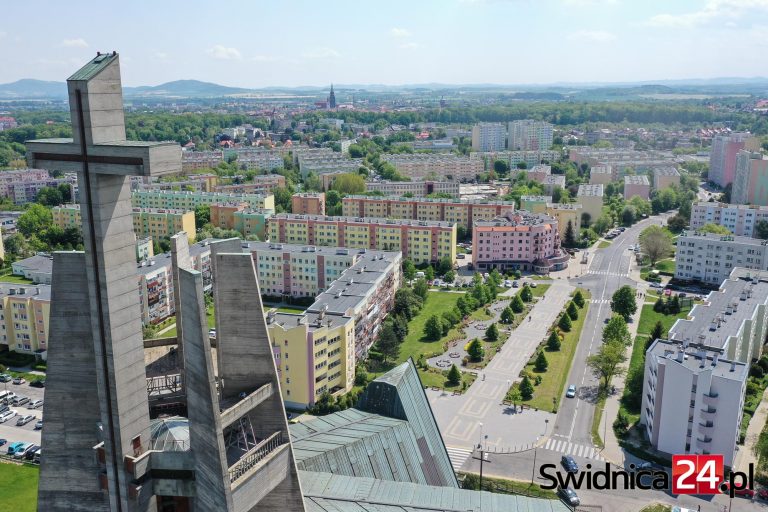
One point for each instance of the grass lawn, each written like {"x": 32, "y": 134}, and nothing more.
{"x": 666, "y": 266}
{"x": 171, "y": 333}
{"x": 649, "y": 317}
{"x": 597, "y": 438}
{"x": 540, "y": 290}
{"x": 504, "y": 486}
{"x": 461, "y": 250}
{"x": 415, "y": 343}
{"x": 15, "y": 279}
{"x": 480, "y": 315}
{"x": 553, "y": 380}
{"x": 657, "y": 507}
{"x": 434, "y": 378}
{"x": 18, "y": 492}
{"x": 603, "y": 244}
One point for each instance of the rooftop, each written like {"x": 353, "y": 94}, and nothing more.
{"x": 698, "y": 360}
{"x": 428, "y": 200}
{"x": 364, "y": 220}
{"x": 37, "y": 291}
{"x": 536, "y": 199}
{"x": 590, "y": 190}
{"x": 666, "y": 171}
{"x": 601, "y": 169}
{"x": 516, "y": 218}
{"x": 634, "y": 180}
{"x": 736, "y": 239}
{"x": 707, "y": 204}
{"x": 564, "y": 206}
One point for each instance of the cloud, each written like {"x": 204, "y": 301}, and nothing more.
{"x": 264, "y": 58}
{"x": 713, "y": 10}
{"x": 321, "y": 53}
{"x": 410, "y": 45}
{"x": 595, "y": 36}
{"x": 220, "y": 52}
{"x": 400, "y": 33}
{"x": 74, "y": 43}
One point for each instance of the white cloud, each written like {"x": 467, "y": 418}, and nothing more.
{"x": 410, "y": 46}
{"x": 400, "y": 33}
{"x": 595, "y": 36}
{"x": 220, "y": 52}
{"x": 713, "y": 10}
{"x": 74, "y": 43}
{"x": 321, "y": 53}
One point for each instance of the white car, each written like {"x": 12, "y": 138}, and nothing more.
{"x": 571, "y": 391}
{"x": 7, "y": 415}
{"x": 34, "y": 404}
{"x": 212, "y": 333}
{"x": 23, "y": 420}
{"x": 507, "y": 284}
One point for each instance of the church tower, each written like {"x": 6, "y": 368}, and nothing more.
{"x": 332, "y": 99}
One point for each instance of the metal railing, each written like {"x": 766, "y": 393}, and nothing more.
{"x": 255, "y": 455}
{"x": 164, "y": 385}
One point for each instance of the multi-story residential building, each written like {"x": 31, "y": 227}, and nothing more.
{"x": 694, "y": 383}
{"x": 489, "y": 137}
{"x": 740, "y": 219}
{"x": 7, "y": 123}
{"x": 535, "y": 204}
{"x": 665, "y": 177}
{"x": 722, "y": 157}
{"x": 144, "y": 248}
{"x": 710, "y": 258}
{"x": 528, "y": 134}
{"x": 329, "y": 178}
{"x": 637, "y": 186}
{"x": 262, "y": 184}
{"x": 194, "y": 160}
{"x": 414, "y": 188}
{"x": 156, "y": 223}
{"x": 196, "y": 182}
{"x": 750, "y": 183}
{"x": 463, "y": 213}
{"x": 602, "y": 174}
{"x": 22, "y": 186}
{"x": 539, "y": 173}
{"x": 240, "y": 217}
{"x": 260, "y": 159}
{"x": 518, "y": 240}
{"x": 308, "y": 203}
{"x": 551, "y": 182}
{"x": 322, "y": 161}
{"x": 37, "y": 268}
{"x": 191, "y": 200}
{"x": 421, "y": 241}
{"x": 420, "y": 166}
{"x": 515, "y": 158}
{"x": 566, "y": 213}
{"x": 622, "y": 160}
{"x": 591, "y": 199}
{"x": 24, "y": 318}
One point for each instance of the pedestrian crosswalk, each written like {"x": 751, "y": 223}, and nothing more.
{"x": 607, "y": 273}
{"x": 458, "y": 456}
{"x": 600, "y": 301}
{"x": 577, "y": 450}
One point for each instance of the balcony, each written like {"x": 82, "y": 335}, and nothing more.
{"x": 706, "y": 428}
{"x": 708, "y": 413}
{"x": 710, "y": 398}
{"x": 704, "y": 440}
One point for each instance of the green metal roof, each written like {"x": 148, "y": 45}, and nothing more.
{"x": 94, "y": 67}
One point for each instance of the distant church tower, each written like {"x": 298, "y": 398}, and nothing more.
{"x": 332, "y": 99}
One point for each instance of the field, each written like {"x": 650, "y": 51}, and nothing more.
{"x": 18, "y": 491}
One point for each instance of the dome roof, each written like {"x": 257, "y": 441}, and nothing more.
{"x": 170, "y": 434}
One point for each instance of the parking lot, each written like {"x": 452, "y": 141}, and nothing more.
{"x": 27, "y": 433}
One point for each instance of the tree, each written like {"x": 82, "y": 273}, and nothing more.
{"x": 606, "y": 363}
{"x": 433, "y": 329}
{"x": 564, "y": 323}
{"x": 400, "y": 324}
{"x": 572, "y": 311}
{"x": 202, "y": 215}
{"x": 761, "y": 230}
{"x": 475, "y": 350}
{"x": 526, "y": 295}
{"x": 443, "y": 266}
{"x": 623, "y": 302}
{"x": 454, "y": 376}
{"x": 507, "y": 315}
{"x": 660, "y": 306}
{"x": 553, "y": 342}
{"x": 541, "y": 363}
{"x": 602, "y": 224}
{"x": 628, "y": 215}
{"x": 526, "y": 388}
{"x": 407, "y": 303}
{"x": 578, "y": 298}
{"x": 677, "y": 223}
{"x": 449, "y": 276}
{"x": 616, "y": 330}
{"x": 658, "y": 331}
{"x": 409, "y": 269}
{"x": 586, "y": 220}
{"x": 656, "y": 243}
{"x": 500, "y": 167}
{"x": 421, "y": 288}
{"x": 35, "y": 220}
{"x": 50, "y": 196}
{"x": 569, "y": 239}
{"x": 349, "y": 183}
{"x": 673, "y": 305}
{"x": 429, "y": 273}
{"x": 388, "y": 344}
{"x": 516, "y": 304}
{"x": 492, "y": 333}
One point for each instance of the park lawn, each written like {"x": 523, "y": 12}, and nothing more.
{"x": 666, "y": 266}
{"x": 480, "y": 315}
{"x": 171, "y": 333}
{"x": 15, "y": 279}
{"x": 540, "y": 290}
{"x": 433, "y": 379}
{"x": 656, "y": 507}
{"x": 649, "y": 317}
{"x": 604, "y": 244}
{"x": 505, "y": 486}
{"x": 414, "y": 343}
{"x": 553, "y": 380}
{"x": 18, "y": 492}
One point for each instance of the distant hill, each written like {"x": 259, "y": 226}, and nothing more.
{"x": 185, "y": 89}
{"x": 27, "y": 88}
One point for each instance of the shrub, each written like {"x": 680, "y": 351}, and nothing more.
{"x": 572, "y": 311}
{"x": 564, "y": 323}
{"x": 454, "y": 376}
{"x": 578, "y": 298}
{"x": 526, "y": 388}
{"x": 553, "y": 342}
{"x": 541, "y": 363}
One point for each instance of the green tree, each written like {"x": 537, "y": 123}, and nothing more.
{"x": 541, "y": 363}
{"x": 656, "y": 243}
{"x": 572, "y": 311}
{"x": 623, "y": 302}
{"x": 421, "y": 288}
{"x": 35, "y": 220}
{"x": 658, "y": 331}
{"x": 475, "y": 350}
{"x": 516, "y": 304}
{"x": 50, "y": 196}
{"x": 660, "y": 306}
{"x": 202, "y": 215}
{"x": 569, "y": 239}
{"x": 507, "y": 315}
{"x": 443, "y": 266}
{"x": 449, "y": 276}
{"x": 628, "y": 215}
{"x": 433, "y": 329}
{"x": 349, "y": 183}
{"x": 429, "y": 273}
{"x": 407, "y": 303}
{"x": 578, "y": 298}
{"x": 409, "y": 269}
{"x": 526, "y": 295}
{"x": 717, "y": 229}
{"x": 492, "y": 333}
{"x": 761, "y": 230}
{"x": 388, "y": 344}
{"x": 606, "y": 363}
{"x": 565, "y": 323}
{"x": 526, "y": 388}
{"x": 677, "y": 223}
{"x": 553, "y": 342}
{"x": 454, "y": 376}
{"x": 616, "y": 330}
{"x": 602, "y": 224}
{"x": 500, "y": 167}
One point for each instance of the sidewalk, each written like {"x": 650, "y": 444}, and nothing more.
{"x": 745, "y": 456}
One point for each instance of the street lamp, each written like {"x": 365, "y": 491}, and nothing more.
{"x": 546, "y": 421}
{"x": 533, "y": 469}
{"x": 482, "y": 456}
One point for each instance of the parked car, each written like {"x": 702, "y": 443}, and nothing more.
{"x": 4, "y": 408}
{"x": 569, "y": 463}
{"x": 34, "y": 404}
{"x": 4, "y": 377}
{"x": 643, "y": 466}
{"x": 3, "y": 441}
{"x": 533, "y": 284}
{"x": 212, "y": 333}
{"x": 507, "y": 284}
{"x": 7, "y": 415}
{"x": 38, "y": 383}
{"x": 744, "y": 493}
{"x": 515, "y": 284}
{"x": 569, "y": 496}
{"x": 571, "y": 391}
{"x": 38, "y": 456}
{"x": 30, "y": 455}
{"x": 14, "y": 446}
{"x": 762, "y": 493}
{"x": 20, "y": 400}
{"x": 19, "y": 380}
{"x": 461, "y": 256}
{"x": 21, "y": 452}
{"x": 23, "y": 420}
{"x": 656, "y": 285}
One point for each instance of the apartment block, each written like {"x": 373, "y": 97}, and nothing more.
{"x": 665, "y": 177}
{"x": 415, "y": 188}
{"x": 535, "y": 204}
{"x": 193, "y": 182}
{"x": 194, "y": 160}
{"x": 308, "y": 203}
{"x": 24, "y": 317}
{"x": 191, "y": 200}
{"x": 551, "y": 182}
{"x": 240, "y": 217}
{"x": 694, "y": 383}
{"x": 463, "y": 213}
{"x": 722, "y": 157}
{"x": 602, "y": 175}
{"x": 637, "y": 186}
{"x": 443, "y": 167}
{"x": 22, "y": 186}
{"x": 528, "y": 135}
{"x": 514, "y": 158}
{"x": 740, "y": 219}
{"x": 565, "y": 213}
{"x": 710, "y": 258}
{"x": 266, "y": 160}
{"x": 591, "y": 199}
{"x": 262, "y": 184}
{"x": 621, "y": 160}
{"x": 539, "y": 173}
{"x": 489, "y": 137}
{"x": 750, "y": 183}
{"x": 421, "y": 241}
{"x": 323, "y": 161}
{"x": 518, "y": 240}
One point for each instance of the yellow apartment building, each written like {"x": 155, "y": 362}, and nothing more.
{"x": 24, "y": 317}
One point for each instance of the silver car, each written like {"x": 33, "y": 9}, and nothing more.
{"x": 34, "y": 404}
{"x": 571, "y": 391}
{"x": 23, "y": 420}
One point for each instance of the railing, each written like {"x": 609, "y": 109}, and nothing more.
{"x": 170, "y": 445}
{"x": 255, "y": 455}
{"x": 164, "y": 385}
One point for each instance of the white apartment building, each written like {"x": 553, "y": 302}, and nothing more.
{"x": 602, "y": 175}
{"x": 438, "y": 166}
{"x": 710, "y": 258}
{"x": 514, "y": 158}
{"x": 740, "y": 219}
{"x": 694, "y": 383}
{"x": 528, "y": 134}
{"x": 591, "y": 199}
{"x": 489, "y": 137}
{"x": 417, "y": 188}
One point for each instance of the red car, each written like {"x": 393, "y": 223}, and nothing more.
{"x": 746, "y": 493}
{"x": 762, "y": 493}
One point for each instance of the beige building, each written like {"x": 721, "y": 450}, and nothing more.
{"x": 591, "y": 199}
{"x": 24, "y": 317}
{"x": 565, "y": 213}
{"x": 602, "y": 175}
{"x": 155, "y": 223}
{"x": 665, "y": 177}
{"x": 535, "y": 204}
{"x": 310, "y": 203}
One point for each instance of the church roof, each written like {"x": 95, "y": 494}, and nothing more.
{"x": 94, "y": 67}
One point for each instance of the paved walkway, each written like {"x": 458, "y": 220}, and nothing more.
{"x": 745, "y": 456}
{"x": 460, "y": 417}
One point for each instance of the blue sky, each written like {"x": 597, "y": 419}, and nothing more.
{"x": 255, "y": 44}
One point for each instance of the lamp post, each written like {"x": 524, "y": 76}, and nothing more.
{"x": 533, "y": 469}
{"x": 482, "y": 456}
{"x": 546, "y": 422}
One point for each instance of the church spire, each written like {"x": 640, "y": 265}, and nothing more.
{"x": 332, "y": 99}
